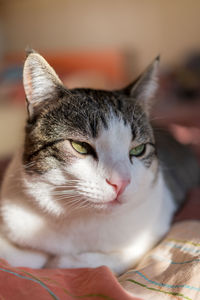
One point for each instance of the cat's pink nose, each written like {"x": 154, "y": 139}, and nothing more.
{"x": 119, "y": 184}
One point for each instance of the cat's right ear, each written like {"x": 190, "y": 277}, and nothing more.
{"x": 41, "y": 83}
{"x": 145, "y": 86}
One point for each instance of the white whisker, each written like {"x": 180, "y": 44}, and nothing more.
{"x": 65, "y": 192}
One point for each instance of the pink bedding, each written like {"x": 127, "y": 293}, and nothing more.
{"x": 24, "y": 283}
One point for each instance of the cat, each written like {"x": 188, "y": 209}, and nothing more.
{"x": 94, "y": 183}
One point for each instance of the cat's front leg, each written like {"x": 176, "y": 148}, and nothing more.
{"x": 113, "y": 260}
{"x": 21, "y": 257}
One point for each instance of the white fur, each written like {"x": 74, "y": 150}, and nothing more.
{"x": 104, "y": 234}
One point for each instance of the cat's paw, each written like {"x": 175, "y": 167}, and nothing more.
{"x": 68, "y": 261}
{"x": 21, "y": 257}
{"x": 88, "y": 260}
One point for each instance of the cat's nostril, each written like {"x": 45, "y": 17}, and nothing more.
{"x": 120, "y": 185}
{"x": 113, "y": 184}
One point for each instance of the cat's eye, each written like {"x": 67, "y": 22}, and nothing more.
{"x": 83, "y": 148}
{"x": 138, "y": 151}
{"x": 79, "y": 147}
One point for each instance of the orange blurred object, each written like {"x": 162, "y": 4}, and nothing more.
{"x": 110, "y": 65}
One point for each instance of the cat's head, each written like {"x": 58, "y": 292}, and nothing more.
{"x": 87, "y": 148}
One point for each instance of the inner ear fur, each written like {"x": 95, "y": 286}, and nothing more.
{"x": 41, "y": 83}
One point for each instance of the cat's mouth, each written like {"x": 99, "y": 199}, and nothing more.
{"x": 116, "y": 201}
{"x": 108, "y": 205}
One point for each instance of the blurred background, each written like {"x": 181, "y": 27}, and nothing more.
{"x": 104, "y": 44}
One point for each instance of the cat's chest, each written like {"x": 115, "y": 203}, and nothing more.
{"x": 110, "y": 233}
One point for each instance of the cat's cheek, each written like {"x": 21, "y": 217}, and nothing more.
{"x": 83, "y": 168}
{"x": 141, "y": 177}
{"x": 55, "y": 176}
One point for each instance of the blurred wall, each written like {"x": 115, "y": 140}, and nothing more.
{"x": 2, "y": 44}
{"x": 142, "y": 27}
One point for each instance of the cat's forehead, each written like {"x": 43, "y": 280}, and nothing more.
{"x": 116, "y": 138}
{"x": 86, "y": 113}
{"x": 97, "y": 111}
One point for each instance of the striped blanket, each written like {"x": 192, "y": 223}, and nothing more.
{"x": 172, "y": 269}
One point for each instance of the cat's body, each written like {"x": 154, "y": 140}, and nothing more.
{"x": 85, "y": 191}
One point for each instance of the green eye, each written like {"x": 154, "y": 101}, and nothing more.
{"x": 79, "y": 147}
{"x": 137, "y": 151}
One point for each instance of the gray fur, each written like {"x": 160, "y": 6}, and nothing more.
{"x": 180, "y": 166}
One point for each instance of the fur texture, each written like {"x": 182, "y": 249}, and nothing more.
{"x": 61, "y": 208}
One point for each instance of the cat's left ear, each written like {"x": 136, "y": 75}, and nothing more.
{"x": 144, "y": 87}
{"x": 41, "y": 83}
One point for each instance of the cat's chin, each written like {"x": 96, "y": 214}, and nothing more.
{"x": 107, "y": 206}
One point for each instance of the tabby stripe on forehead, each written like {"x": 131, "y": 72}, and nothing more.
{"x": 45, "y": 146}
